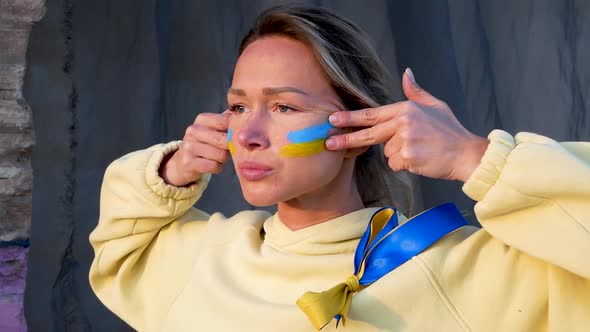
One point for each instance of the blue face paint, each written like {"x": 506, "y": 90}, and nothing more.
{"x": 230, "y": 133}
{"x": 310, "y": 134}
{"x": 306, "y": 141}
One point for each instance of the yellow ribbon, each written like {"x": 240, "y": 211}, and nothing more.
{"x": 379, "y": 253}
{"x": 320, "y": 308}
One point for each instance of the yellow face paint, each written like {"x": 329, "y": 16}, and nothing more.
{"x": 230, "y": 144}
{"x": 307, "y": 141}
{"x": 303, "y": 149}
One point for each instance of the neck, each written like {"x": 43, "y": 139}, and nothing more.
{"x": 339, "y": 197}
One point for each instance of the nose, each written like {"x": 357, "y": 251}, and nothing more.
{"x": 252, "y": 134}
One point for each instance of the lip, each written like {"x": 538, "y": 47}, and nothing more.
{"x": 253, "y": 171}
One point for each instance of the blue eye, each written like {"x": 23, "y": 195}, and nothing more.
{"x": 237, "y": 109}
{"x": 284, "y": 108}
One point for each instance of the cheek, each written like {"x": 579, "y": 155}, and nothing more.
{"x": 301, "y": 175}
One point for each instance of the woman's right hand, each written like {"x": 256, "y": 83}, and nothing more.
{"x": 204, "y": 149}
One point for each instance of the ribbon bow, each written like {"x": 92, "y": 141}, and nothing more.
{"x": 383, "y": 247}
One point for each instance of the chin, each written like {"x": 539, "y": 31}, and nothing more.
{"x": 259, "y": 197}
{"x": 260, "y": 193}
{"x": 260, "y": 200}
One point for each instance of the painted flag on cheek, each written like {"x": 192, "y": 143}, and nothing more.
{"x": 230, "y": 144}
{"x": 307, "y": 141}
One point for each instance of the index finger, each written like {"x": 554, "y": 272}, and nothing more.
{"x": 362, "y": 138}
{"x": 215, "y": 121}
{"x": 365, "y": 117}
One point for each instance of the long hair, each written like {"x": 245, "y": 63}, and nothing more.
{"x": 357, "y": 75}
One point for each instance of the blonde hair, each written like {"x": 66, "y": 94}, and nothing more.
{"x": 357, "y": 75}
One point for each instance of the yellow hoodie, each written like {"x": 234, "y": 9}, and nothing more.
{"x": 162, "y": 265}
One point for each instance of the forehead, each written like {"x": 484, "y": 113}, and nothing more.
{"x": 279, "y": 61}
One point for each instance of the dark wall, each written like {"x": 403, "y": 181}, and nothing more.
{"x": 108, "y": 77}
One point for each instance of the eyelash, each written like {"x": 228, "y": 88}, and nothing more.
{"x": 233, "y": 108}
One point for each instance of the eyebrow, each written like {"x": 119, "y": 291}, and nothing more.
{"x": 269, "y": 91}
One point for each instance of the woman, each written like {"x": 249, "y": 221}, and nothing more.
{"x": 305, "y": 74}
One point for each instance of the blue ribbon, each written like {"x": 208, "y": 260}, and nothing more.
{"x": 391, "y": 248}
{"x": 384, "y": 246}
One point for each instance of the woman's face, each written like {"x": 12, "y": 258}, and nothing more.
{"x": 280, "y": 101}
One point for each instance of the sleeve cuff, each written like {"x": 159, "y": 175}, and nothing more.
{"x": 486, "y": 174}
{"x": 161, "y": 188}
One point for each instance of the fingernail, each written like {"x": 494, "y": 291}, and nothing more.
{"x": 334, "y": 118}
{"x": 411, "y": 76}
{"x": 331, "y": 143}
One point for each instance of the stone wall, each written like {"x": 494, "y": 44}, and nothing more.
{"x": 16, "y": 142}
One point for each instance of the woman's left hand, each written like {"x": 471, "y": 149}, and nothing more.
{"x": 421, "y": 135}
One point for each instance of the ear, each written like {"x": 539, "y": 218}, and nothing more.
{"x": 355, "y": 152}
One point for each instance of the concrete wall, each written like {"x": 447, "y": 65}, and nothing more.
{"x": 108, "y": 77}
